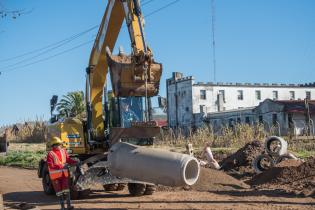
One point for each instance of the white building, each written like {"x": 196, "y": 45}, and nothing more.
{"x": 188, "y": 101}
{"x": 282, "y": 117}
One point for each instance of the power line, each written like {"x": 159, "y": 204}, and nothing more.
{"x": 56, "y": 43}
{"x": 50, "y": 45}
{"x": 85, "y": 43}
{"x": 147, "y": 2}
{"x": 49, "y": 49}
{"x": 52, "y": 56}
{"x": 162, "y": 8}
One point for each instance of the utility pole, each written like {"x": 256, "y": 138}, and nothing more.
{"x": 213, "y": 38}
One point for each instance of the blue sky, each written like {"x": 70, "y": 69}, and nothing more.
{"x": 256, "y": 41}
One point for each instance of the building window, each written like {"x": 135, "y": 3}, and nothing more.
{"x": 203, "y": 94}
{"x": 260, "y": 119}
{"x": 240, "y": 95}
{"x": 231, "y": 122}
{"x": 187, "y": 109}
{"x": 274, "y": 119}
{"x": 292, "y": 95}
{"x": 308, "y": 95}
{"x": 290, "y": 120}
{"x": 258, "y": 94}
{"x": 275, "y": 95}
{"x": 222, "y": 93}
{"x": 247, "y": 120}
{"x": 202, "y": 108}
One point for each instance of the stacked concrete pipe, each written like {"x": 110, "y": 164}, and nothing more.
{"x": 152, "y": 165}
{"x": 282, "y": 146}
{"x": 272, "y": 155}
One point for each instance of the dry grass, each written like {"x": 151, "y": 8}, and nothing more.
{"x": 27, "y": 132}
{"x": 228, "y": 140}
{"x": 27, "y": 147}
{"x": 227, "y": 137}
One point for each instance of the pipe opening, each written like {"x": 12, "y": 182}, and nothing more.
{"x": 191, "y": 172}
{"x": 276, "y": 146}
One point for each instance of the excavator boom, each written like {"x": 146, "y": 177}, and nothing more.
{"x": 134, "y": 75}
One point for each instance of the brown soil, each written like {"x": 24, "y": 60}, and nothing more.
{"x": 290, "y": 176}
{"x": 22, "y": 189}
{"x": 211, "y": 180}
{"x": 289, "y": 163}
{"x": 239, "y": 164}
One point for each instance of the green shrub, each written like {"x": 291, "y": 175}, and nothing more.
{"x": 25, "y": 159}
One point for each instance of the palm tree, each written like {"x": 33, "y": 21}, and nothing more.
{"x": 72, "y": 105}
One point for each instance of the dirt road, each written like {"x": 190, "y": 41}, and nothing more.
{"x": 21, "y": 189}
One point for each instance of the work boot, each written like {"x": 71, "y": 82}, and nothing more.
{"x": 62, "y": 203}
{"x": 69, "y": 207}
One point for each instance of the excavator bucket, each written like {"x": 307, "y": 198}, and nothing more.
{"x": 128, "y": 75}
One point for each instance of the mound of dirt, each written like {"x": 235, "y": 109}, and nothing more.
{"x": 239, "y": 164}
{"x": 290, "y": 176}
{"x": 211, "y": 180}
{"x": 289, "y": 163}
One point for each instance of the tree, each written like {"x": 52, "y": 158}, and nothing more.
{"x": 72, "y": 105}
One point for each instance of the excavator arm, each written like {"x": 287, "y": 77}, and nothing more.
{"x": 134, "y": 75}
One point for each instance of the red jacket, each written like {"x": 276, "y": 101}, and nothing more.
{"x": 55, "y": 166}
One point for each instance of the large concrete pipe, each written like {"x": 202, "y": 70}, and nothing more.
{"x": 275, "y": 145}
{"x": 152, "y": 165}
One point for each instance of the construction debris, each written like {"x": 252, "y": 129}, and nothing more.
{"x": 292, "y": 176}
{"x": 210, "y": 159}
{"x": 276, "y": 150}
{"x": 240, "y": 164}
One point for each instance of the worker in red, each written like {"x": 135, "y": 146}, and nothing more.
{"x": 58, "y": 162}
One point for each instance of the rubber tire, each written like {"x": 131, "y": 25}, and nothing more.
{"x": 136, "y": 189}
{"x": 74, "y": 194}
{"x": 257, "y": 163}
{"x": 150, "y": 189}
{"x": 46, "y": 182}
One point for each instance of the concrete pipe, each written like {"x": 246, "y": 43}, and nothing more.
{"x": 288, "y": 156}
{"x": 152, "y": 165}
{"x": 276, "y": 146}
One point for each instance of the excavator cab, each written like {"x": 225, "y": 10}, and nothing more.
{"x": 125, "y": 120}
{"x": 122, "y": 111}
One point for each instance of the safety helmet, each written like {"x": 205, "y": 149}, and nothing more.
{"x": 55, "y": 140}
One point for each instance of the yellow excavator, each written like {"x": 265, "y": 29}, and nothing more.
{"x": 122, "y": 117}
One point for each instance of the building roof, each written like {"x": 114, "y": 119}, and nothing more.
{"x": 260, "y": 85}
{"x": 296, "y": 105}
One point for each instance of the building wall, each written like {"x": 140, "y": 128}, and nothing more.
{"x": 187, "y": 108}
{"x": 264, "y": 114}
{"x": 179, "y": 102}
{"x": 249, "y": 96}
{"x": 227, "y": 118}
